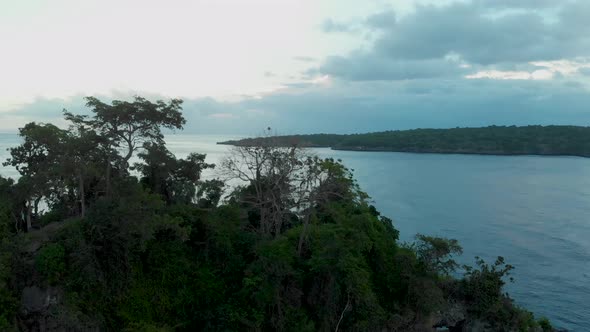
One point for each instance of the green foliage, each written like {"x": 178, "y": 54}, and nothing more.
{"x": 51, "y": 216}
{"x": 131, "y": 124}
{"x": 296, "y": 248}
{"x": 210, "y": 192}
{"x": 482, "y": 291}
{"x": 173, "y": 179}
{"x": 50, "y": 262}
{"x": 436, "y": 253}
{"x": 483, "y": 286}
{"x": 8, "y": 302}
{"x": 545, "y": 324}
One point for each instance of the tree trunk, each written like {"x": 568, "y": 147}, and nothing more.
{"x": 302, "y": 235}
{"x": 82, "y": 196}
{"x": 36, "y": 210}
{"x": 129, "y": 152}
{"x": 29, "y": 224}
{"x": 342, "y": 314}
{"x": 108, "y": 178}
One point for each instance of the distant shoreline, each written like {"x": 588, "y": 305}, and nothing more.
{"x": 565, "y": 141}
{"x": 459, "y": 152}
{"x": 502, "y": 154}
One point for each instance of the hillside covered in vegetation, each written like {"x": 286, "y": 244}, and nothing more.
{"x": 498, "y": 140}
{"x": 89, "y": 242}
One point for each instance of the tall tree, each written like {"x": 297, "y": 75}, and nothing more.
{"x": 270, "y": 174}
{"x": 82, "y": 159}
{"x": 37, "y": 161}
{"x": 281, "y": 182}
{"x": 128, "y": 125}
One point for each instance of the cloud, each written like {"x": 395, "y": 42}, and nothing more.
{"x": 367, "y": 67}
{"x": 364, "y": 106}
{"x": 517, "y": 3}
{"x": 485, "y": 35}
{"x": 383, "y": 19}
{"x": 511, "y": 75}
{"x": 329, "y": 25}
{"x": 434, "y": 32}
{"x": 467, "y": 63}
{"x": 564, "y": 67}
{"x": 549, "y": 70}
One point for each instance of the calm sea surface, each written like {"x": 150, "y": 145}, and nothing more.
{"x": 534, "y": 211}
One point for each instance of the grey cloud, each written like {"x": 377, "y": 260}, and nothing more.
{"x": 47, "y": 109}
{"x": 517, "y": 3}
{"x": 574, "y": 21}
{"x": 363, "y": 106}
{"x": 366, "y": 67}
{"x": 480, "y": 33}
{"x": 381, "y": 20}
{"x": 330, "y": 25}
{"x": 370, "y": 106}
{"x": 375, "y": 21}
{"x": 433, "y": 32}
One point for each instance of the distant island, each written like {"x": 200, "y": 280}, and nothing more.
{"x": 492, "y": 140}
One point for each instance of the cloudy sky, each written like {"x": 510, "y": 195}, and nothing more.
{"x": 302, "y": 66}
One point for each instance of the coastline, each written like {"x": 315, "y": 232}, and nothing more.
{"x": 460, "y": 152}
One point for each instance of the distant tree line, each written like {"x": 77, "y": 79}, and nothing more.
{"x": 499, "y": 140}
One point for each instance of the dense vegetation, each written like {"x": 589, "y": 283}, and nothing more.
{"x": 90, "y": 242}
{"x": 501, "y": 140}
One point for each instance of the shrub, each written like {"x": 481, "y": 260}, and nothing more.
{"x": 50, "y": 262}
{"x": 50, "y": 217}
{"x": 545, "y": 324}
{"x": 483, "y": 286}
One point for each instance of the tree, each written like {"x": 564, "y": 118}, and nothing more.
{"x": 37, "y": 161}
{"x": 128, "y": 125}
{"x": 174, "y": 179}
{"x": 83, "y": 157}
{"x": 209, "y": 193}
{"x": 272, "y": 176}
{"x": 282, "y": 182}
{"x": 436, "y": 253}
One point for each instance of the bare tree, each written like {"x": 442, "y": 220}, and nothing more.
{"x": 271, "y": 173}
{"x": 282, "y": 179}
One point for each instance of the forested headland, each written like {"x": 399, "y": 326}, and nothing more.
{"x": 92, "y": 242}
{"x": 495, "y": 140}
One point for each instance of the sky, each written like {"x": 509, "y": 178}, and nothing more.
{"x": 301, "y": 66}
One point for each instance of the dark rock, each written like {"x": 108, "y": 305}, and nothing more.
{"x": 35, "y": 299}
{"x": 453, "y": 317}
{"x": 38, "y": 308}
